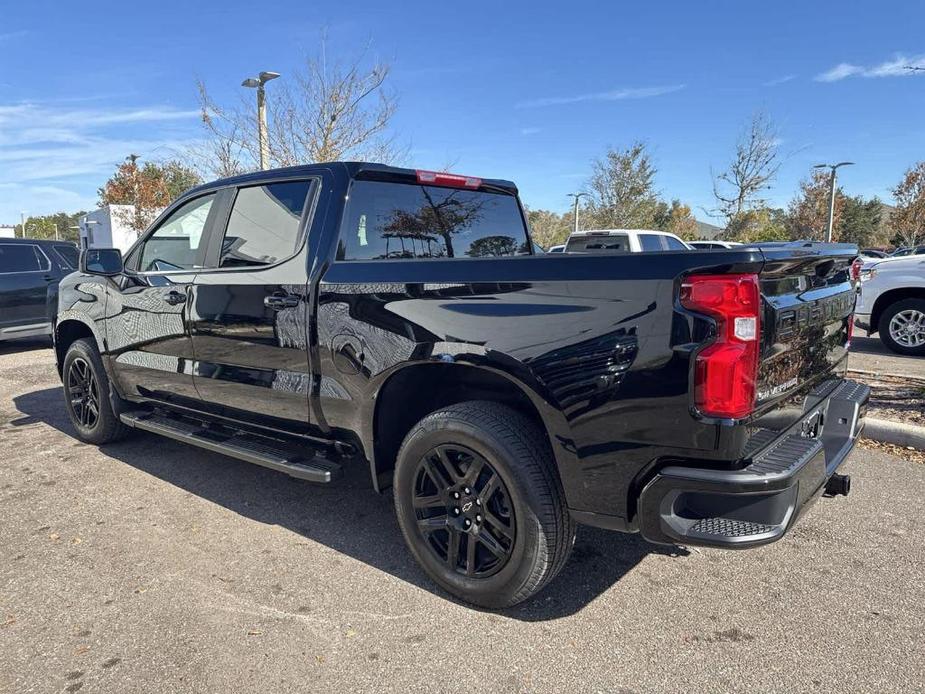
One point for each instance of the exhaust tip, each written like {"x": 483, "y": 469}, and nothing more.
{"x": 838, "y": 485}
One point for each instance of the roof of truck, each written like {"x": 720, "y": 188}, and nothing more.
{"x": 354, "y": 169}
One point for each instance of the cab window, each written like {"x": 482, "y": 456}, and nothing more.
{"x": 176, "y": 243}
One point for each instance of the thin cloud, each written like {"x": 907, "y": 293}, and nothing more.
{"x": 530, "y": 131}
{"x": 613, "y": 95}
{"x": 12, "y": 35}
{"x": 51, "y": 154}
{"x": 780, "y": 80}
{"x": 890, "y": 68}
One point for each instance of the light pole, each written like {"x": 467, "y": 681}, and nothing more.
{"x": 833, "y": 167}
{"x": 22, "y": 223}
{"x": 577, "y": 196}
{"x": 257, "y": 83}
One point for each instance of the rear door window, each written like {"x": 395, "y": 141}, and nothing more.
{"x": 395, "y": 221}
{"x": 67, "y": 255}
{"x": 650, "y": 242}
{"x": 264, "y": 225}
{"x": 22, "y": 257}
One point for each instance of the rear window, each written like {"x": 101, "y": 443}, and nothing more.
{"x": 16, "y": 257}
{"x": 394, "y": 221}
{"x": 68, "y": 255}
{"x": 614, "y": 243}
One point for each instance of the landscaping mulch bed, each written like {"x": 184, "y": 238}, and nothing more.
{"x": 897, "y": 399}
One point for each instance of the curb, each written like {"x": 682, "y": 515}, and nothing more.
{"x": 886, "y": 374}
{"x": 894, "y": 432}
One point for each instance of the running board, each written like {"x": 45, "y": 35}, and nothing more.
{"x": 260, "y": 450}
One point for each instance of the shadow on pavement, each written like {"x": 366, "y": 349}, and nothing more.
{"x": 24, "y": 344}
{"x": 347, "y": 516}
{"x": 870, "y": 345}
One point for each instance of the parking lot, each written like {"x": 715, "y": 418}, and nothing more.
{"x": 146, "y": 566}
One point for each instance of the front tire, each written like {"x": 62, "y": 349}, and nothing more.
{"x": 480, "y": 503}
{"x": 86, "y": 395}
{"x": 902, "y": 327}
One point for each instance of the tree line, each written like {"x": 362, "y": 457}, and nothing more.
{"x": 331, "y": 110}
{"x": 622, "y": 194}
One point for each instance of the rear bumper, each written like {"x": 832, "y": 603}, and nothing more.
{"x": 759, "y": 503}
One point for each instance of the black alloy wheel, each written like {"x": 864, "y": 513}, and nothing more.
{"x": 464, "y": 510}
{"x": 83, "y": 393}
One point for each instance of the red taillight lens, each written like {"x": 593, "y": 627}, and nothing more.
{"x": 440, "y": 178}
{"x": 726, "y": 371}
{"x": 856, "y": 270}
{"x": 850, "y": 330}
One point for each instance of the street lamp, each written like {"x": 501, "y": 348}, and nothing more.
{"x": 257, "y": 83}
{"x": 833, "y": 167}
{"x": 577, "y": 196}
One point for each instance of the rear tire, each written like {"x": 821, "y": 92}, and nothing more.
{"x": 902, "y": 327}
{"x": 508, "y": 532}
{"x": 86, "y": 395}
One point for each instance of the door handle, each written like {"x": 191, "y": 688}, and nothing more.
{"x": 174, "y": 298}
{"x": 278, "y": 302}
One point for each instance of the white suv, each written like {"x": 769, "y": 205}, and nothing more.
{"x": 623, "y": 241}
{"x": 892, "y": 302}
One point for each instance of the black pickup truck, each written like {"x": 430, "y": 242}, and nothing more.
{"x": 309, "y": 318}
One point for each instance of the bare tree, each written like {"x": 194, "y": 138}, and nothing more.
{"x": 327, "y": 111}
{"x": 738, "y": 188}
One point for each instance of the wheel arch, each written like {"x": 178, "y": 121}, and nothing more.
{"x": 888, "y": 298}
{"x": 439, "y": 384}
{"x": 70, "y": 328}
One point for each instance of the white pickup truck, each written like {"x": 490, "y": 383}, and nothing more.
{"x": 892, "y": 302}
{"x": 623, "y": 241}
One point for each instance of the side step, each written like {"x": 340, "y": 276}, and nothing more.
{"x": 260, "y": 450}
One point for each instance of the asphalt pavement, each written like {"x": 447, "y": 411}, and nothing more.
{"x": 870, "y": 354}
{"x": 147, "y": 566}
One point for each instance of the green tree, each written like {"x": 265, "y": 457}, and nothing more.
{"x": 809, "y": 211}
{"x": 622, "y": 188}
{"x": 762, "y": 224}
{"x": 547, "y": 228}
{"x": 860, "y": 222}
{"x": 58, "y": 225}
{"x": 677, "y": 219}
{"x": 908, "y": 219}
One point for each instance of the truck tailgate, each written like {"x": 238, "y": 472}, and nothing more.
{"x": 808, "y": 301}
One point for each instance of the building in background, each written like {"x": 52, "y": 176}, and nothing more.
{"x": 108, "y": 227}
{"x": 7, "y": 232}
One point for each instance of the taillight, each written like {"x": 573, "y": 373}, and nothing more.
{"x": 850, "y": 330}
{"x": 726, "y": 371}
{"x": 856, "y": 270}
{"x": 440, "y": 178}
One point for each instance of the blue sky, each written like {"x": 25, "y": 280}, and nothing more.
{"x": 526, "y": 91}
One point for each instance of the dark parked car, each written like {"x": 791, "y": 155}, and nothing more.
{"x": 315, "y": 317}
{"x": 30, "y": 270}
{"x": 908, "y": 250}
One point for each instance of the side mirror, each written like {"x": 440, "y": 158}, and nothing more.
{"x": 101, "y": 261}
